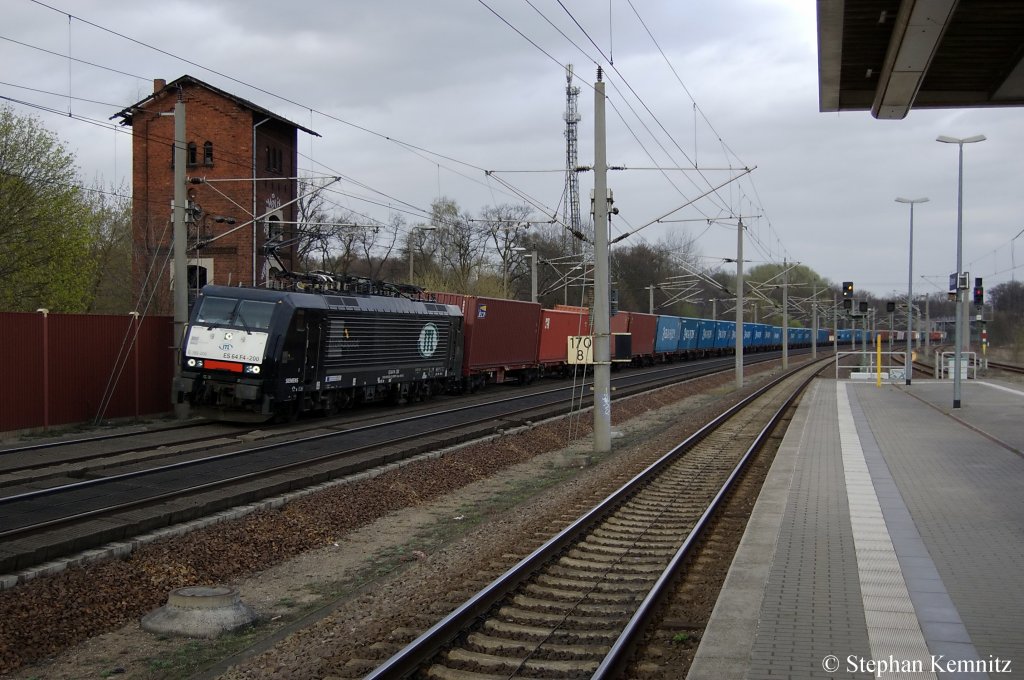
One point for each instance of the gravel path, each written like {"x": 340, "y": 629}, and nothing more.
{"x": 361, "y": 566}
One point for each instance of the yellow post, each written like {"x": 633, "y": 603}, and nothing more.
{"x": 878, "y": 362}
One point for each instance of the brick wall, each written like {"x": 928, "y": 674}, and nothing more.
{"x": 228, "y": 125}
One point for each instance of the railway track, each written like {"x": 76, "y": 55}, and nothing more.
{"x": 42, "y": 524}
{"x": 77, "y": 456}
{"x": 1009, "y": 368}
{"x": 62, "y": 461}
{"x": 577, "y": 605}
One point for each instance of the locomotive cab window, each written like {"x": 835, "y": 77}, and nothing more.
{"x": 246, "y": 314}
{"x": 215, "y": 310}
{"x": 254, "y": 315}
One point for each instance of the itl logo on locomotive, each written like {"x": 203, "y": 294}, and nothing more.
{"x": 428, "y": 340}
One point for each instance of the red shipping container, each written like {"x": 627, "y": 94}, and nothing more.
{"x": 573, "y": 308}
{"x": 501, "y": 335}
{"x": 556, "y": 326}
{"x": 642, "y": 328}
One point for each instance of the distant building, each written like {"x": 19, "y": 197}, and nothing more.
{"x": 248, "y": 157}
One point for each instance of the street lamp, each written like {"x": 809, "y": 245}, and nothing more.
{"x": 565, "y": 288}
{"x": 411, "y": 232}
{"x": 958, "y": 341}
{"x": 910, "y": 286}
{"x": 533, "y": 270}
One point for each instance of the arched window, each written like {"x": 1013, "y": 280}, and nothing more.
{"x": 274, "y": 227}
{"x": 196, "y": 277}
{"x": 208, "y": 153}
{"x": 191, "y": 160}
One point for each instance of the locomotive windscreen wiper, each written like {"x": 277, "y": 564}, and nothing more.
{"x": 240, "y": 318}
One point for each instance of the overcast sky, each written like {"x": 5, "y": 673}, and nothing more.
{"x": 455, "y": 80}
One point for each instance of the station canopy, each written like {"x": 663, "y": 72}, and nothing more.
{"x": 889, "y": 56}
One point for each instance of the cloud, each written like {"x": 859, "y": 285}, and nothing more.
{"x": 453, "y": 78}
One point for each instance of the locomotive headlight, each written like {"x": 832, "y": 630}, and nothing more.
{"x": 252, "y": 369}
{"x": 194, "y": 363}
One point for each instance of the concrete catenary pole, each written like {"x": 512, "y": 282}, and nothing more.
{"x": 835, "y": 325}
{"x": 533, "y": 276}
{"x": 739, "y": 305}
{"x": 785, "y": 317}
{"x": 180, "y": 263}
{"x": 814, "y": 322}
{"x": 602, "y": 321}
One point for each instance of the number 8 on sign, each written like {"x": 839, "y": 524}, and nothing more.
{"x": 581, "y": 349}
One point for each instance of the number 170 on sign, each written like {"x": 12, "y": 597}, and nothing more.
{"x": 581, "y": 349}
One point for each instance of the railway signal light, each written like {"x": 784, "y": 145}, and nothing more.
{"x": 890, "y": 307}
{"x": 847, "y": 289}
{"x": 848, "y": 304}
{"x": 863, "y": 307}
{"x": 979, "y": 295}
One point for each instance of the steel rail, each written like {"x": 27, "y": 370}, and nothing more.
{"x": 649, "y": 377}
{"x": 39, "y": 446}
{"x": 1010, "y": 368}
{"x": 614, "y": 663}
{"x": 407, "y": 660}
{"x": 228, "y": 481}
{"x": 8, "y": 534}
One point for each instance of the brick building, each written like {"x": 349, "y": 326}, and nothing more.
{"x": 246, "y": 157}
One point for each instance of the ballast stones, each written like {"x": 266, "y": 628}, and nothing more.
{"x": 200, "y": 611}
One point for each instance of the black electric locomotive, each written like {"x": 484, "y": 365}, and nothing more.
{"x": 255, "y": 354}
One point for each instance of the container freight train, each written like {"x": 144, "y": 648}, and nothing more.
{"x": 255, "y": 354}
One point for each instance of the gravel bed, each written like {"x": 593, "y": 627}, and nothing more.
{"x": 335, "y": 573}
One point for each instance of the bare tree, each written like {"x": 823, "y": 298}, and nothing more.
{"x": 461, "y": 247}
{"x": 505, "y": 227}
{"x": 377, "y": 244}
{"x": 313, "y": 233}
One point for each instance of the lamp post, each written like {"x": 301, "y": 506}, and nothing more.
{"x": 910, "y": 285}
{"x": 533, "y": 271}
{"x": 565, "y": 288}
{"x": 411, "y": 232}
{"x": 958, "y": 340}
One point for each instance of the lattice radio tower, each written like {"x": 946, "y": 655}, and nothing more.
{"x": 571, "y": 209}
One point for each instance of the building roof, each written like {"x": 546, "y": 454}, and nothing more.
{"x": 889, "y": 56}
{"x": 128, "y": 111}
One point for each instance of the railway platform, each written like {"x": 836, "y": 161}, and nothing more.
{"x": 887, "y": 542}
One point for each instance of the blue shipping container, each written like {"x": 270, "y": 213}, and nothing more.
{"x": 666, "y": 338}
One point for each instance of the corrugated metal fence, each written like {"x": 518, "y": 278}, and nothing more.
{"x": 57, "y": 369}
